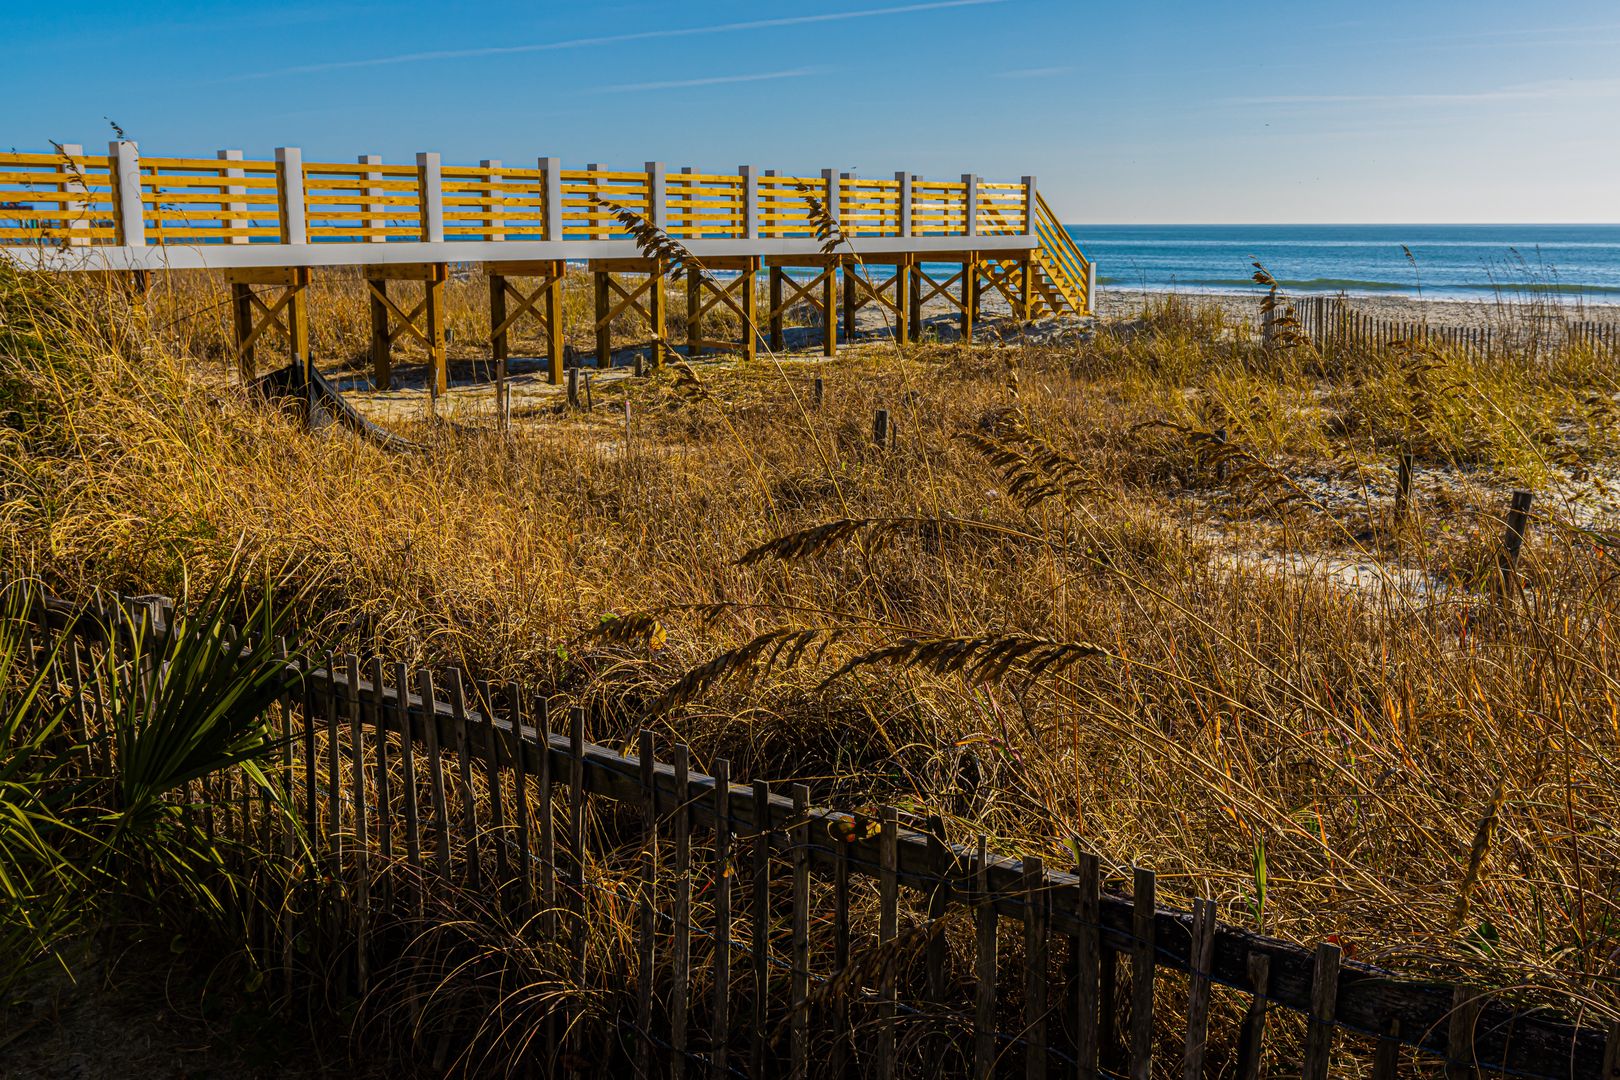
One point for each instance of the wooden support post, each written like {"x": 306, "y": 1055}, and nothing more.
{"x": 970, "y": 295}
{"x": 658, "y": 317}
{"x": 750, "y": 306}
{"x": 829, "y": 312}
{"x": 434, "y": 298}
{"x": 382, "y": 365}
{"x": 1026, "y": 289}
{"x": 904, "y": 328}
{"x": 915, "y": 298}
{"x": 242, "y": 324}
{"x": 554, "y": 327}
{"x": 775, "y": 275}
{"x": 604, "y": 325}
{"x": 694, "y": 312}
{"x": 499, "y": 347}
{"x": 852, "y": 303}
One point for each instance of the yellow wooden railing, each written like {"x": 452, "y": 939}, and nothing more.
{"x": 1067, "y": 268}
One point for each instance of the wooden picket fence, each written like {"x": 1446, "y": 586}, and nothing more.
{"x": 1333, "y": 324}
{"x": 756, "y": 952}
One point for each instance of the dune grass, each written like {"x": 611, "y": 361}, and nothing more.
{"x": 1056, "y": 611}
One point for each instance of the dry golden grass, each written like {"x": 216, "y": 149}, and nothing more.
{"x": 1222, "y": 704}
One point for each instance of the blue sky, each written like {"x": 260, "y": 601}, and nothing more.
{"x": 1443, "y": 111}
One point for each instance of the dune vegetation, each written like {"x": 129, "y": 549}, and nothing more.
{"x": 1143, "y": 591}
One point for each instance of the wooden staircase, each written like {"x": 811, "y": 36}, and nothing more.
{"x": 1063, "y": 276}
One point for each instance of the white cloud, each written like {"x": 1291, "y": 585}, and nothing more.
{"x": 710, "y": 80}
{"x": 618, "y": 39}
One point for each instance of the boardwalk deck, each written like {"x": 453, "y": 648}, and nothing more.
{"x": 267, "y": 223}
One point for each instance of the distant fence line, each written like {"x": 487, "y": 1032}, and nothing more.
{"x": 473, "y": 784}
{"x": 1332, "y": 323}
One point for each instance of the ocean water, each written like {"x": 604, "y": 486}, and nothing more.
{"x": 1447, "y": 261}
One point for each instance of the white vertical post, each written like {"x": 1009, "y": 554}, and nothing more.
{"x": 233, "y": 206}
{"x": 492, "y": 199}
{"x": 904, "y": 212}
{"x": 599, "y": 230}
{"x": 750, "y": 214}
{"x": 972, "y": 209}
{"x": 290, "y": 191}
{"x": 831, "y": 177}
{"x": 375, "y": 213}
{"x": 432, "y": 196}
{"x": 552, "y": 167}
{"x": 130, "y": 216}
{"x": 657, "y": 196}
{"x": 1091, "y": 288}
{"x": 1029, "y": 206}
{"x": 78, "y": 228}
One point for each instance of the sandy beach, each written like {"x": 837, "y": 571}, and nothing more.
{"x": 1116, "y": 303}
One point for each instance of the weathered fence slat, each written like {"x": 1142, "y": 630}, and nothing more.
{"x": 407, "y": 765}
{"x": 1035, "y": 965}
{"x": 576, "y": 832}
{"x": 646, "y": 905}
{"x": 1324, "y": 1005}
{"x": 385, "y": 793}
{"x": 1143, "y": 960}
{"x": 441, "y": 814}
{"x": 1201, "y": 958}
{"x": 721, "y": 1025}
{"x": 460, "y": 738}
{"x": 984, "y": 995}
{"x": 1460, "y": 1058}
{"x": 799, "y": 1026}
{"x": 762, "y": 921}
{"x": 496, "y": 761}
{"x": 888, "y": 930}
{"x": 1251, "y": 1043}
{"x": 1387, "y": 1054}
{"x": 1088, "y": 966}
{"x": 681, "y": 949}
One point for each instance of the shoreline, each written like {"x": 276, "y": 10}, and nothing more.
{"x": 1121, "y": 303}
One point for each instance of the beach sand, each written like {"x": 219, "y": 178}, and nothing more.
{"x": 1115, "y": 303}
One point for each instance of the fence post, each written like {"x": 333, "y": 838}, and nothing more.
{"x": 984, "y": 996}
{"x": 376, "y": 212}
{"x": 1403, "y": 483}
{"x": 830, "y": 178}
{"x": 750, "y": 214}
{"x": 290, "y": 194}
{"x": 129, "y": 213}
{"x": 234, "y": 207}
{"x": 657, "y": 196}
{"x": 1324, "y": 1005}
{"x": 431, "y": 193}
{"x": 971, "y": 210}
{"x": 492, "y": 200}
{"x": 1518, "y": 524}
{"x": 1035, "y": 964}
{"x": 903, "y": 211}
{"x": 552, "y": 208}
{"x": 1030, "y": 206}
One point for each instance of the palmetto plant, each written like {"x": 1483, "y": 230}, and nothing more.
{"x": 80, "y": 846}
{"x": 37, "y": 877}
{"x": 196, "y": 703}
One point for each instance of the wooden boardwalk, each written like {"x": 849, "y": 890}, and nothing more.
{"x": 269, "y": 223}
